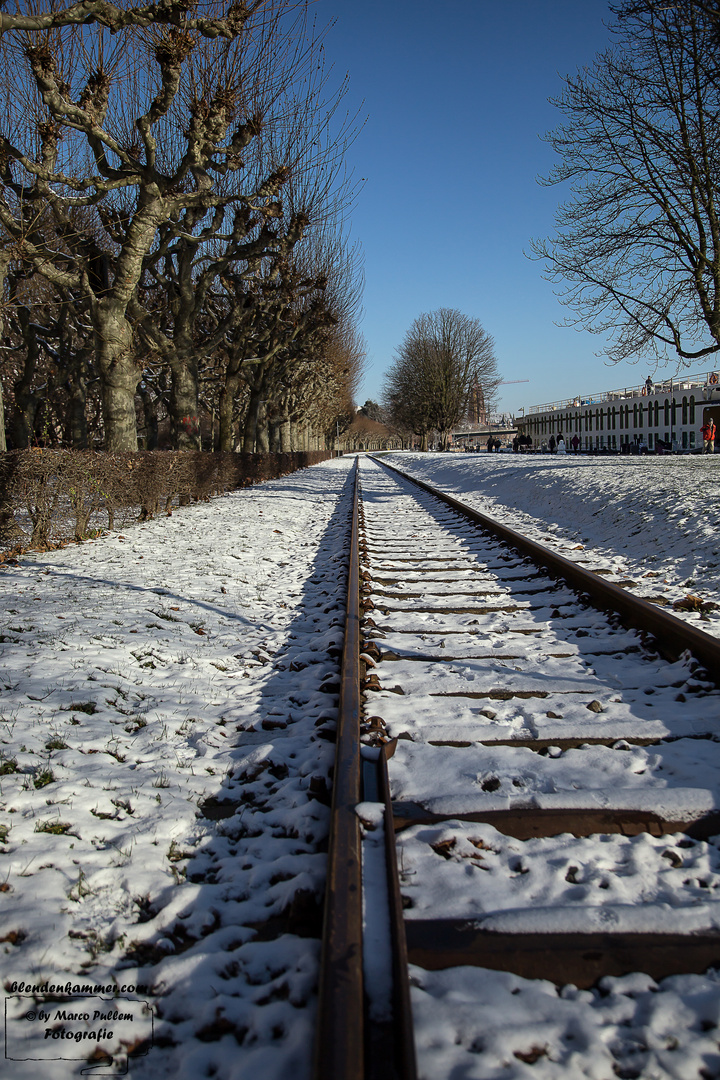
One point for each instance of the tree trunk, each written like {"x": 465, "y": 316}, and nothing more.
{"x": 262, "y": 443}
{"x": 251, "y": 422}
{"x": 27, "y": 402}
{"x": 285, "y": 435}
{"x": 184, "y": 409}
{"x": 150, "y": 410}
{"x": 257, "y": 387}
{"x": 76, "y": 432}
{"x": 3, "y": 443}
{"x": 226, "y": 408}
{"x": 4, "y": 263}
{"x": 76, "y": 428}
{"x": 274, "y": 432}
{"x": 119, "y": 375}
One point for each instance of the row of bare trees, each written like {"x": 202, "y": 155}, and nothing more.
{"x": 174, "y": 256}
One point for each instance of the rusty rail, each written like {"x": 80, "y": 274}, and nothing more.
{"x": 673, "y": 635}
{"x": 567, "y": 956}
{"x": 339, "y": 1046}
{"x": 403, "y": 1044}
{"x": 346, "y": 1046}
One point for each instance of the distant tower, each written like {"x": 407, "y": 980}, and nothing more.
{"x": 476, "y": 413}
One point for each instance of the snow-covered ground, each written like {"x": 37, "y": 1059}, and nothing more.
{"x": 652, "y": 522}
{"x": 162, "y": 782}
{"x": 164, "y": 694}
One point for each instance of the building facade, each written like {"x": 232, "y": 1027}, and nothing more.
{"x": 662, "y": 415}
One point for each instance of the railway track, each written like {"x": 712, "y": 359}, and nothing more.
{"x": 527, "y": 776}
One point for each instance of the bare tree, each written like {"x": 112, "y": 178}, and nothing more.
{"x": 637, "y": 247}
{"x": 297, "y": 148}
{"x": 443, "y": 355}
{"x": 141, "y": 113}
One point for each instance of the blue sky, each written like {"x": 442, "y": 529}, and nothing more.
{"x": 456, "y": 98}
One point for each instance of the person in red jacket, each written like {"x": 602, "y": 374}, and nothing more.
{"x": 708, "y": 434}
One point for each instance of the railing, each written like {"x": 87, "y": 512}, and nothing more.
{"x": 699, "y": 381}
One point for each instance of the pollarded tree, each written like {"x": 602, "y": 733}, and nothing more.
{"x": 294, "y": 167}
{"x": 141, "y": 113}
{"x": 314, "y": 385}
{"x": 443, "y": 355}
{"x": 637, "y": 247}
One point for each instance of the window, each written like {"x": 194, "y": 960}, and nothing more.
{"x": 692, "y": 410}
{"x": 667, "y": 414}
{"x": 684, "y": 411}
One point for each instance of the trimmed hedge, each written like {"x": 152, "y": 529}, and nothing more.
{"x": 59, "y": 492}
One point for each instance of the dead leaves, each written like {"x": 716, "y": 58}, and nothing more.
{"x": 694, "y": 603}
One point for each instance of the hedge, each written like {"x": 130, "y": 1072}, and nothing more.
{"x": 58, "y": 493}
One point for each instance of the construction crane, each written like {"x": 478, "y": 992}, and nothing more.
{"x": 507, "y": 382}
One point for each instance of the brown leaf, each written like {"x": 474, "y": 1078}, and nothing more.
{"x": 532, "y": 1055}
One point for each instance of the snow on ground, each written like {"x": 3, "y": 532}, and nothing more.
{"x": 652, "y": 521}
{"x": 486, "y": 1025}
{"x": 163, "y": 698}
{"x": 164, "y": 692}
{"x": 456, "y": 870}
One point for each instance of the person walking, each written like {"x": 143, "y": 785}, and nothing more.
{"x": 708, "y": 435}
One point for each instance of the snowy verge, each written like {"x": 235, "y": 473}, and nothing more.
{"x": 648, "y": 523}
{"x": 166, "y": 697}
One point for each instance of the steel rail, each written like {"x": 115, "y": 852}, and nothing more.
{"x": 339, "y": 1044}
{"x": 673, "y": 635}
{"x": 404, "y": 1065}
{"x": 346, "y": 1047}
{"x": 568, "y": 956}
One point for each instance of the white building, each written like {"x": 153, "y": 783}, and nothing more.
{"x": 660, "y": 415}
